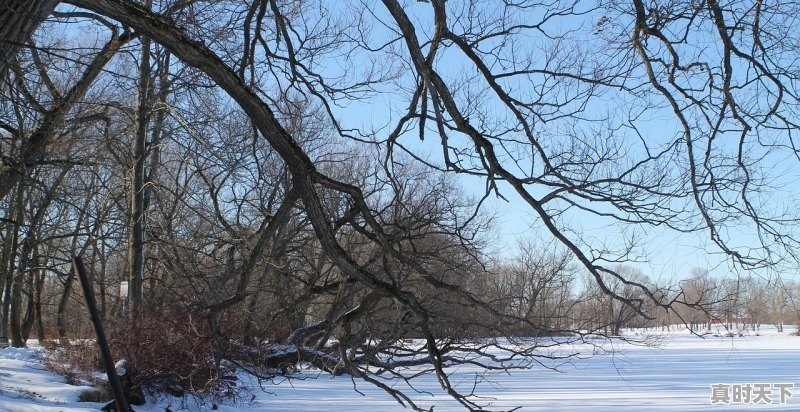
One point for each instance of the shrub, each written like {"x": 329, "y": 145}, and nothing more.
{"x": 169, "y": 354}
{"x": 164, "y": 355}
{"x": 77, "y": 363}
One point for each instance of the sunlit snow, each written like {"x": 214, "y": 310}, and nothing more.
{"x": 674, "y": 375}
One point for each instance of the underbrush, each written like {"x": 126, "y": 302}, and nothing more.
{"x": 78, "y": 363}
{"x": 161, "y": 358}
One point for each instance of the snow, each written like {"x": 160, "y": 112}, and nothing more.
{"x": 25, "y": 386}
{"x": 120, "y": 367}
{"x": 676, "y": 375}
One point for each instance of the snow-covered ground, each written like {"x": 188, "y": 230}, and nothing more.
{"x": 675, "y": 376}
{"x": 25, "y": 385}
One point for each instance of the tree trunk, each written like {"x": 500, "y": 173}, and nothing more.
{"x": 61, "y": 313}
{"x": 38, "y": 307}
{"x": 30, "y": 310}
{"x": 7, "y": 267}
{"x": 136, "y": 222}
{"x": 18, "y": 20}
{"x": 101, "y": 280}
{"x": 13, "y": 294}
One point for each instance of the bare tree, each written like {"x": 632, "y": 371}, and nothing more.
{"x": 538, "y": 287}
{"x": 557, "y": 103}
{"x": 700, "y": 292}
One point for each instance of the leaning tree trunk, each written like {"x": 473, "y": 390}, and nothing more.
{"x": 18, "y": 20}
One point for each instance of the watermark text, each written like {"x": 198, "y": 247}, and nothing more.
{"x": 750, "y": 393}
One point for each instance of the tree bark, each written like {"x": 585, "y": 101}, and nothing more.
{"x": 18, "y": 20}
{"x": 61, "y": 312}
{"x": 38, "y": 307}
{"x": 7, "y": 267}
{"x": 136, "y": 223}
{"x": 30, "y": 310}
{"x": 15, "y": 295}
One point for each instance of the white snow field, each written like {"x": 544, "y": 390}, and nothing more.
{"x": 675, "y": 376}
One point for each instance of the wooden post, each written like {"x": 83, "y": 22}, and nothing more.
{"x": 111, "y": 371}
